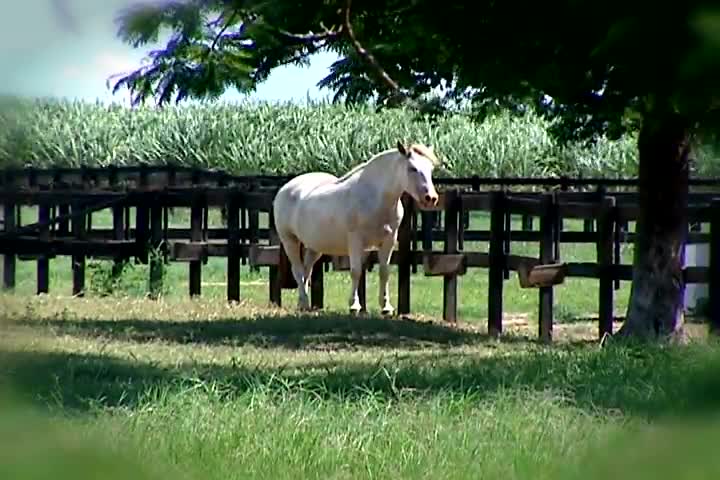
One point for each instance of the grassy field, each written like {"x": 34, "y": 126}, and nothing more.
{"x": 200, "y": 389}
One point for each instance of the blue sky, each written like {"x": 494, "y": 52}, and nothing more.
{"x": 44, "y": 54}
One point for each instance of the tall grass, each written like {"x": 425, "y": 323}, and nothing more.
{"x": 266, "y": 138}
{"x": 250, "y": 137}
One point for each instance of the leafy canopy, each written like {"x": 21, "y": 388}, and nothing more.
{"x": 597, "y": 66}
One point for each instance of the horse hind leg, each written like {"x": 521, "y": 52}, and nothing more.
{"x": 309, "y": 259}
{"x": 291, "y": 245}
{"x": 384, "y": 255}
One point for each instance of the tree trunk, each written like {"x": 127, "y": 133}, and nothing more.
{"x": 655, "y": 309}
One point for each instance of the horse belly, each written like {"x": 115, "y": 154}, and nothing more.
{"x": 320, "y": 229}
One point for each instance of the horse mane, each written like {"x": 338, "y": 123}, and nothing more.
{"x": 364, "y": 164}
{"x": 418, "y": 148}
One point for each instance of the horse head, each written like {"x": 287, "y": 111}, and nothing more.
{"x": 420, "y": 163}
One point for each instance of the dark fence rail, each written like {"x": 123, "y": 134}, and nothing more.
{"x": 163, "y": 175}
{"x": 140, "y": 231}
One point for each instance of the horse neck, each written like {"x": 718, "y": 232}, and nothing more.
{"x": 383, "y": 173}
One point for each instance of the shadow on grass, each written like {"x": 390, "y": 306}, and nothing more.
{"x": 643, "y": 382}
{"x": 322, "y": 331}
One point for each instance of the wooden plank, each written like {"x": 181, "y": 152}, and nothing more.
{"x": 435, "y": 265}
{"x": 477, "y": 259}
{"x": 476, "y": 201}
{"x": 188, "y": 251}
{"x": 34, "y": 248}
{"x": 583, "y": 269}
{"x": 696, "y": 274}
{"x": 541, "y": 276}
{"x": 523, "y": 206}
{"x": 37, "y": 226}
{"x": 264, "y": 255}
{"x": 515, "y": 262}
{"x": 579, "y": 210}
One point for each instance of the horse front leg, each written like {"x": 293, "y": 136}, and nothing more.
{"x": 384, "y": 255}
{"x": 356, "y": 267}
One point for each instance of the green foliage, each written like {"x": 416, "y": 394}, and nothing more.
{"x": 265, "y": 138}
{"x": 127, "y": 278}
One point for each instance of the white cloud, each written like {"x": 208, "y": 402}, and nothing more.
{"x": 115, "y": 62}
{"x": 103, "y": 64}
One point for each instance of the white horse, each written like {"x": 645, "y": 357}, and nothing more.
{"x": 352, "y": 214}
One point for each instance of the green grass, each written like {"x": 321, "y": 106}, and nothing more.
{"x": 199, "y": 389}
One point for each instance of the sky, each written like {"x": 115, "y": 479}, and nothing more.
{"x": 46, "y": 52}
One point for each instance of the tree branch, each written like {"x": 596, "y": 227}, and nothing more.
{"x": 233, "y": 15}
{"x": 325, "y": 35}
{"x": 366, "y": 55}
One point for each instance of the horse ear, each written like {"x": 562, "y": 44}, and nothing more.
{"x": 401, "y": 148}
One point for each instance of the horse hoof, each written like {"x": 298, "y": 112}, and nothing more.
{"x": 387, "y": 312}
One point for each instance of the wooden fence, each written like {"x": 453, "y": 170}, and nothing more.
{"x": 67, "y": 200}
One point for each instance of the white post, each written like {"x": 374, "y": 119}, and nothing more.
{"x": 696, "y": 255}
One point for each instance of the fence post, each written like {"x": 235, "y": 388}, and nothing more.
{"x": 254, "y": 227}
{"x": 547, "y": 237}
{"x": 43, "y": 263}
{"x": 157, "y": 257}
{"x": 233, "y": 244}
{"x": 507, "y": 228}
{"x": 714, "y": 280}
{"x": 605, "y": 243}
{"x": 119, "y": 218}
{"x": 450, "y": 282}
{"x": 527, "y": 222}
{"x": 9, "y": 260}
{"x": 275, "y": 287}
{"x": 404, "y": 260}
{"x": 414, "y": 239}
{"x": 497, "y": 262}
{"x": 78, "y": 261}
{"x": 196, "y": 235}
